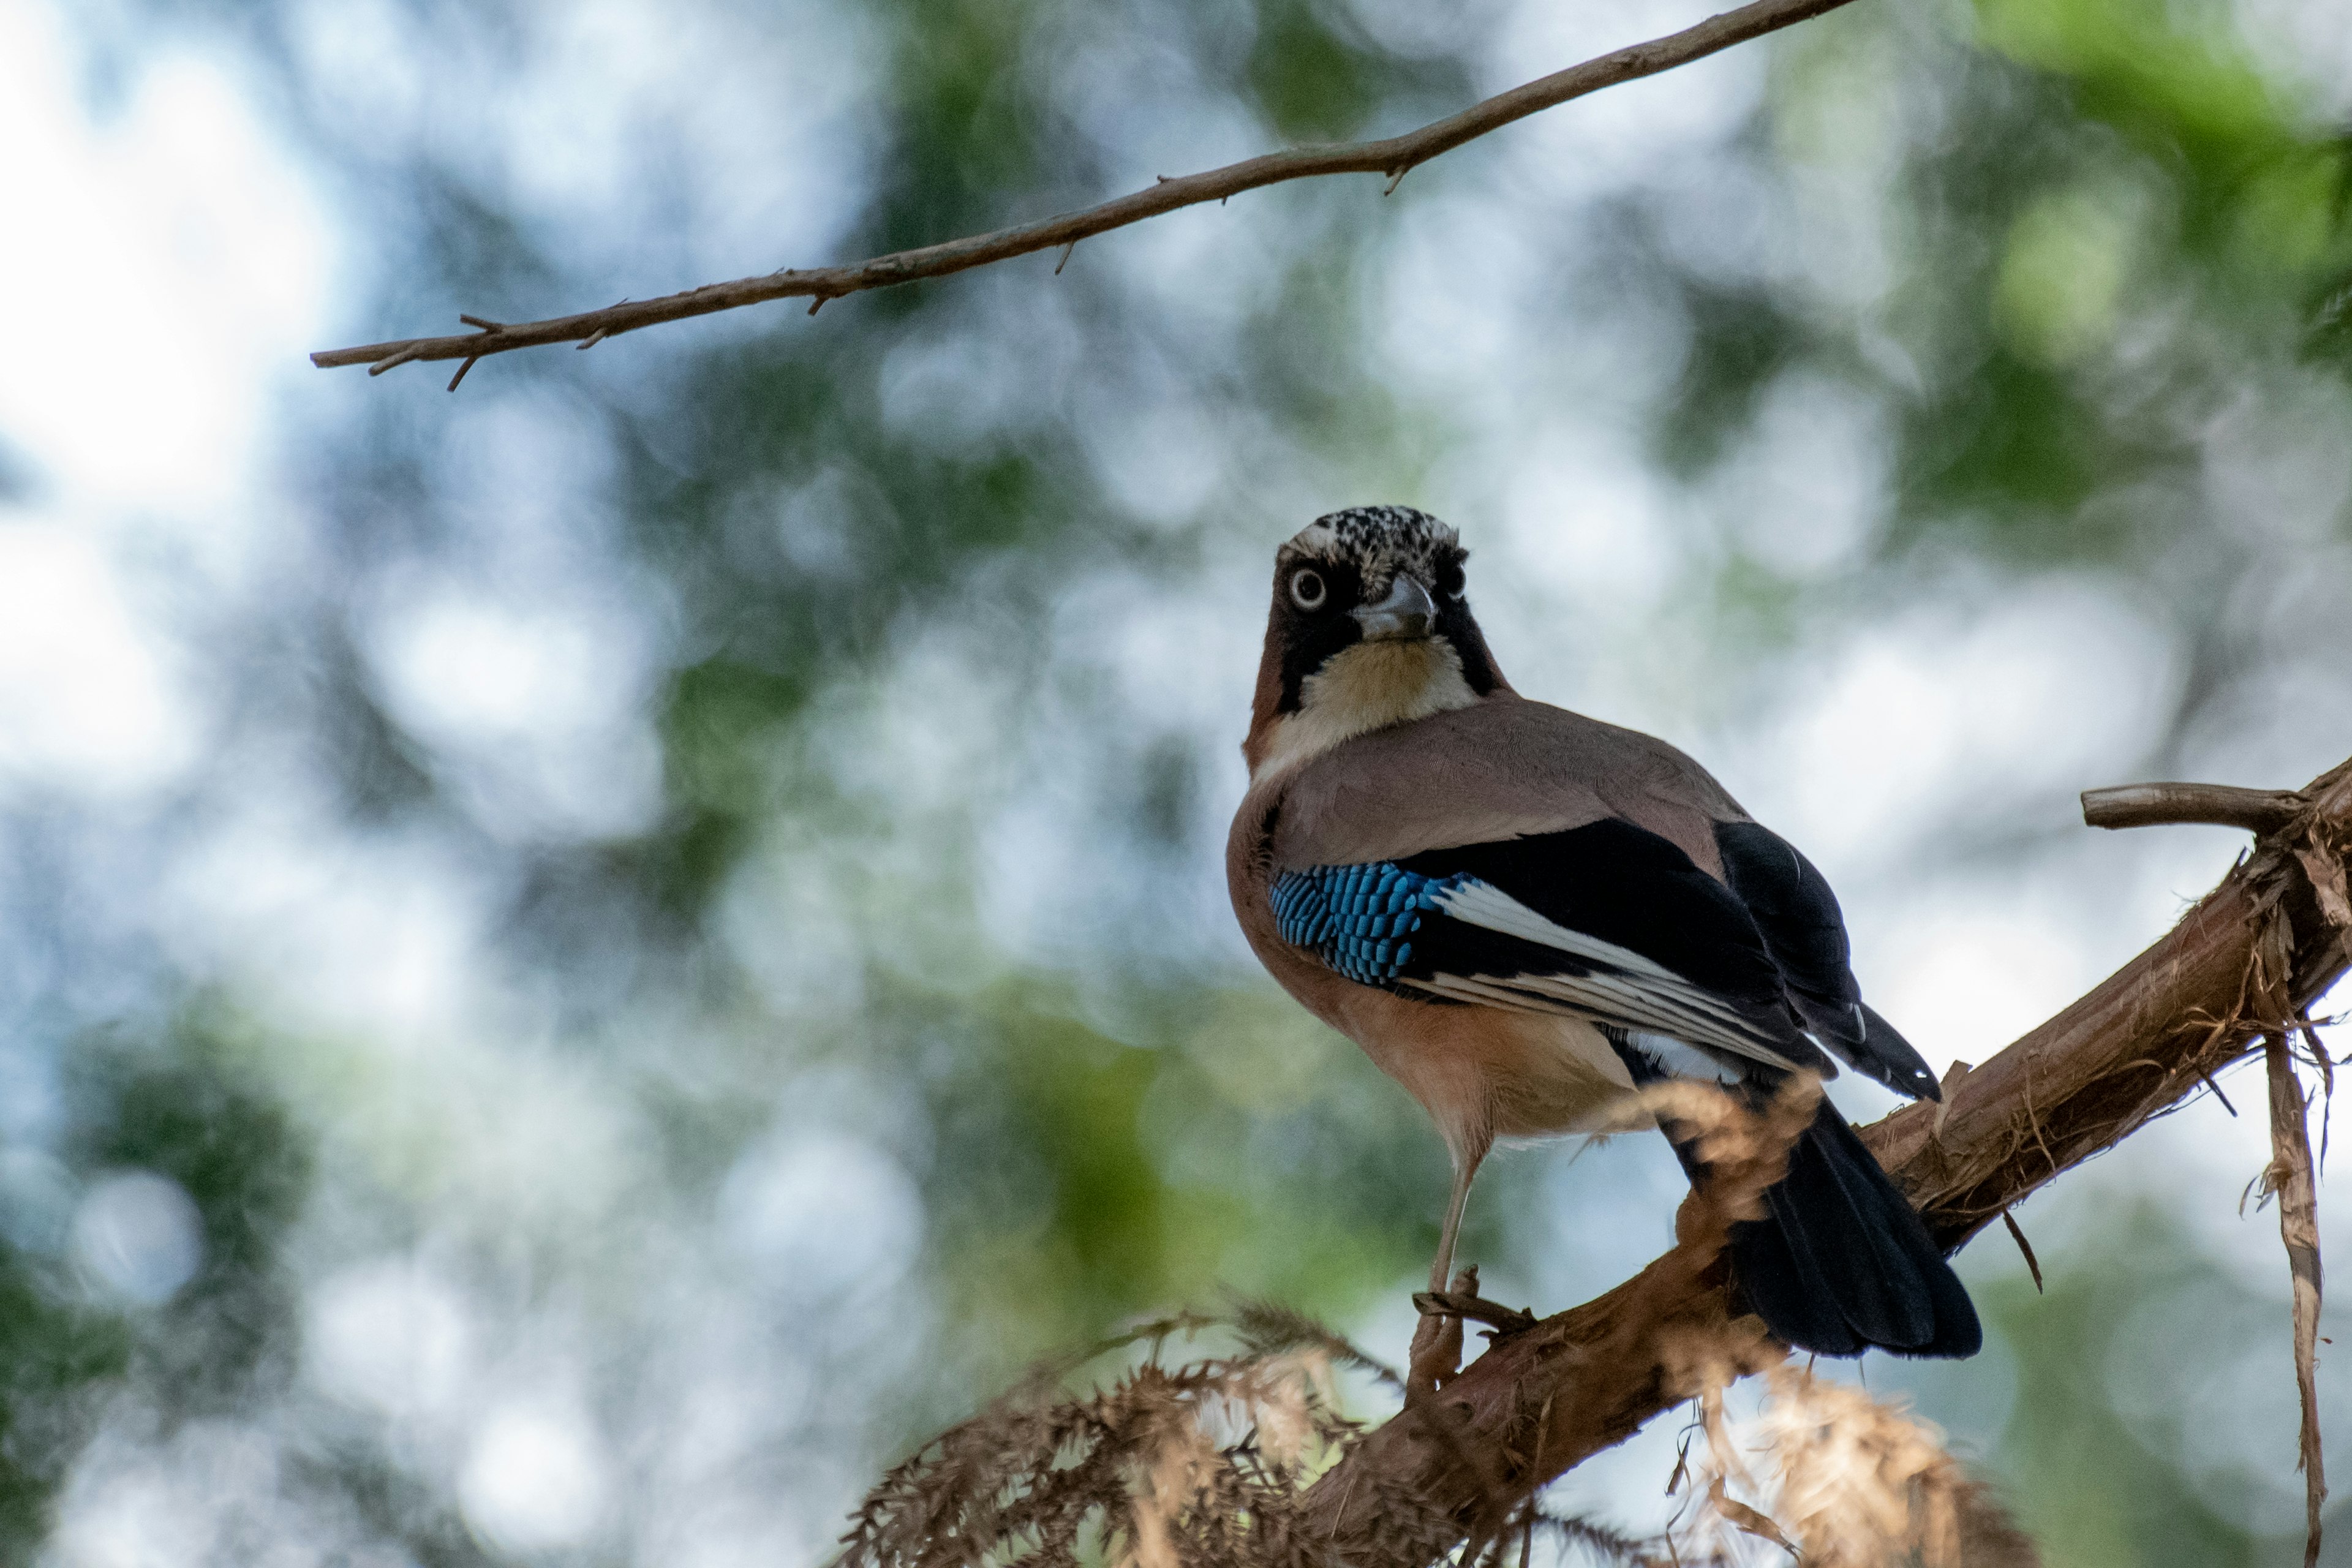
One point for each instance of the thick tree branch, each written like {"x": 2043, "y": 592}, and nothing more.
{"x": 2239, "y": 965}
{"x": 1392, "y": 156}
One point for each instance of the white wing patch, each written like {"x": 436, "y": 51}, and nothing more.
{"x": 1681, "y": 1061}
{"x": 1483, "y": 904}
{"x": 1625, "y": 988}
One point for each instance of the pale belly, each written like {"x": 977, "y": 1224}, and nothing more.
{"x": 1484, "y": 1073}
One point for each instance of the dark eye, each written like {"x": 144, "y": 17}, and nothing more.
{"x": 1449, "y": 581}
{"x": 1306, "y": 589}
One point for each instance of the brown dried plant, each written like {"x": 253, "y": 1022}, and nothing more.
{"x": 1184, "y": 1467}
{"x": 1197, "y": 1465}
{"x": 1202, "y": 1465}
{"x": 1849, "y": 1481}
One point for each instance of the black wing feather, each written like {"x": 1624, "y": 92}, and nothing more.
{"x": 1802, "y": 927}
{"x": 1632, "y": 888}
{"x": 1804, "y": 930}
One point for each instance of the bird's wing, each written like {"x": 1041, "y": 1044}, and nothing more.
{"x": 1607, "y": 836}
{"x": 1607, "y": 921}
{"x": 1798, "y": 917}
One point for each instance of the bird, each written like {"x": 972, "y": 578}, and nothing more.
{"x": 1526, "y": 917}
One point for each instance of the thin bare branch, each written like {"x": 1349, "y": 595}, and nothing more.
{"x": 1389, "y": 156}
{"x": 2164, "y": 804}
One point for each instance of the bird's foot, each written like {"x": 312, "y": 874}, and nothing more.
{"x": 1438, "y": 1338}
{"x": 1436, "y": 1356}
{"x": 1501, "y": 1321}
{"x": 1436, "y": 1353}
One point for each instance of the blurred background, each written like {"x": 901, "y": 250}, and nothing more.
{"x": 583, "y": 962}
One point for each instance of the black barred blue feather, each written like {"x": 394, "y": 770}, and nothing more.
{"x": 1360, "y": 919}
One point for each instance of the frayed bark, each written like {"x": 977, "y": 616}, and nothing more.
{"x": 2289, "y": 1179}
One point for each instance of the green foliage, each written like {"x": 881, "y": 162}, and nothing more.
{"x": 1741, "y": 340}
{"x": 1082, "y": 1179}
{"x": 1314, "y": 80}
{"x": 189, "y": 1106}
{"x": 58, "y": 1353}
{"x": 968, "y": 130}
{"x": 2116, "y": 221}
{"x": 200, "y": 1115}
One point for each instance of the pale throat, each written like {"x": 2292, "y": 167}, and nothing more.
{"x": 1368, "y": 686}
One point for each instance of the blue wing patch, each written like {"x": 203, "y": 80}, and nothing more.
{"x": 1360, "y": 919}
{"x": 1450, "y": 934}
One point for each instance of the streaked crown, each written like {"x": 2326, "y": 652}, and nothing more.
{"x": 1379, "y": 542}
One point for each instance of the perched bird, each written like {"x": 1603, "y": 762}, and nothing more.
{"x": 1524, "y": 916}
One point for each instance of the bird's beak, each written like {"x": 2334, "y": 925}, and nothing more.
{"x": 1404, "y": 614}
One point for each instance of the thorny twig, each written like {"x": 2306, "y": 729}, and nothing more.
{"x": 1391, "y": 156}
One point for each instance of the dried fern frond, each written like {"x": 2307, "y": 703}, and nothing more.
{"x": 1744, "y": 1146}
{"x": 1199, "y": 1465}
{"x": 1269, "y": 1328}
{"x": 1855, "y": 1482}
{"x": 1192, "y": 1466}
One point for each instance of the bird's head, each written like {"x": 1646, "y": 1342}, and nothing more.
{"x": 1369, "y": 628}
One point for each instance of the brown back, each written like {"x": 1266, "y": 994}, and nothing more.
{"x": 1503, "y": 769}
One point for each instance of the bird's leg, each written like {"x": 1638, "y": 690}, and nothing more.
{"x": 1438, "y": 1338}
{"x": 1436, "y": 1353}
{"x": 1443, "y": 1270}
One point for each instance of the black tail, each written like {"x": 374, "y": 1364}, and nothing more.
{"x": 1841, "y": 1261}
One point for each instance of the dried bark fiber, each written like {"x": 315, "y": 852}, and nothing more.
{"x": 2289, "y": 1179}
{"x": 2240, "y": 966}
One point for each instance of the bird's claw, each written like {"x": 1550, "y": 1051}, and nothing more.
{"x": 1436, "y": 1356}
{"x": 1502, "y": 1321}
{"x": 1437, "y": 1340}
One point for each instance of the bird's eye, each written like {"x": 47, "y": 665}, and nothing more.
{"x": 1449, "y": 581}
{"x": 1306, "y": 589}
